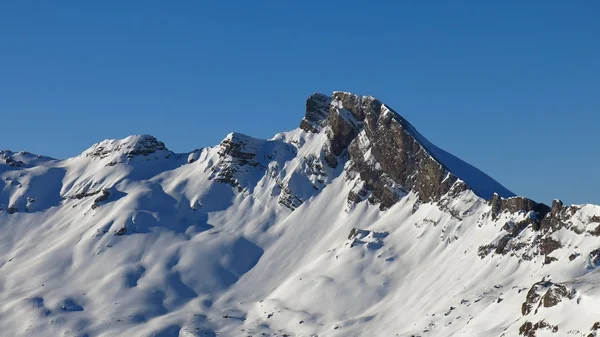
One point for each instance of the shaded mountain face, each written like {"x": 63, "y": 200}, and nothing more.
{"x": 388, "y": 153}
{"x": 354, "y": 224}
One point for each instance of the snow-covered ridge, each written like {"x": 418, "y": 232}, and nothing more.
{"x": 130, "y": 147}
{"x": 21, "y": 159}
{"x": 351, "y": 225}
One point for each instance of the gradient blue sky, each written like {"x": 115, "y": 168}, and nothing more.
{"x": 513, "y": 87}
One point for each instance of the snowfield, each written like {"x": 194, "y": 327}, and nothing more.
{"x": 264, "y": 238}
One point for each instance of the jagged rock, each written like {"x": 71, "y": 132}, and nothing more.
{"x": 124, "y": 149}
{"x": 518, "y": 204}
{"x": 547, "y": 245}
{"x": 288, "y": 199}
{"x": 358, "y": 194}
{"x": 317, "y": 111}
{"x": 485, "y": 250}
{"x": 545, "y": 294}
{"x": 353, "y": 233}
{"x": 103, "y": 197}
{"x": 594, "y": 258}
{"x": 594, "y": 330}
{"x": 595, "y": 231}
{"x": 13, "y": 163}
{"x": 344, "y": 127}
{"x": 374, "y": 179}
{"x": 329, "y": 157}
{"x": 84, "y": 193}
{"x": 121, "y": 231}
{"x": 555, "y": 219}
{"x": 234, "y": 156}
{"x": 502, "y": 246}
{"x": 529, "y": 329}
{"x": 388, "y": 153}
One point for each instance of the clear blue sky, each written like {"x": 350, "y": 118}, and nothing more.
{"x": 512, "y": 87}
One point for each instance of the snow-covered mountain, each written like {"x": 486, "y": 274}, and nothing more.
{"x": 351, "y": 225}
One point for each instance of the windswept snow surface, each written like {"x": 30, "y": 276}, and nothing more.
{"x": 254, "y": 238}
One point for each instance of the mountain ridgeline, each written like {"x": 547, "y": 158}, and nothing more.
{"x": 353, "y": 224}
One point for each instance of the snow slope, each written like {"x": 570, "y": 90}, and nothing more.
{"x": 260, "y": 237}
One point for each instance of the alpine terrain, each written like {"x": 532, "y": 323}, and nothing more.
{"x": 354, "y": 224}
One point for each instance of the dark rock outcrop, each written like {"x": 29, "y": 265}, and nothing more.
{"x": 120, "y": 231}
{"x": 10, "y": 161}
{"x": 545, "y": 294}
{"x": 83, "y": 193}
{"x": 392, "y": 145}
{"x": 547, "y": 245}
{"x": 288, "y": 199}
{"x": 317, "y": 111}
{"x": 557, "y": 218}
{"x": 129, "y": 147}
{"x": 383, "y": 149}
{"x": 243, "y": 160}
{"x": 388, "y": 153}
{"x": 529, "y": 329}
{"x": 594, "y": 258}
{"x": 518, "y": 204}
{"x": 100, "y": 199}
{"x": 235, "y": 156}
{"x": 595, "y": 329}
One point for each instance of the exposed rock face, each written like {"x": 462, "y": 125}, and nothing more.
{"x": 243, "y": 161}
{"x": 6, "y": 156}
{"x": 511, "y": 242}
{"x": 382, "y": 149}
{"x": 516, "y": 205}
{"x": 513, "y": 231}
{"x": 545, "y": 294}
{"x": 236, "y": 156}
{"x": 388, "y": 153}
{"x": 594, "y": 258}
{"x": 595, "y": 329}
{"x": 375, "y": 182}
{"x": 547, "y": 223}
{"x": 548, "y": 244}
{"x": 288, "y": 199}
{"x": 557, "y": 218}
{"x": 529, "y": 329}
{"x": 317, "y": 111}
{"x": 22, "y": 159}
{"x": 100, "y": 199}
{"x": 128, "y": 148}
{"x": 389, "y": 141}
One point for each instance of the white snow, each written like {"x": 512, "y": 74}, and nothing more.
{"x": 201, "y": 258}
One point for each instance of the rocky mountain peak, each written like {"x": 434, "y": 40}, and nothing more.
{"x": 130, "y": 147}
{"x": 317, "y": 113}
{"x": 388, "y": 153}
{"x": 21, "y": 159}
{"x": 6, "y": 157}
{"x": 274, "y": 237}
